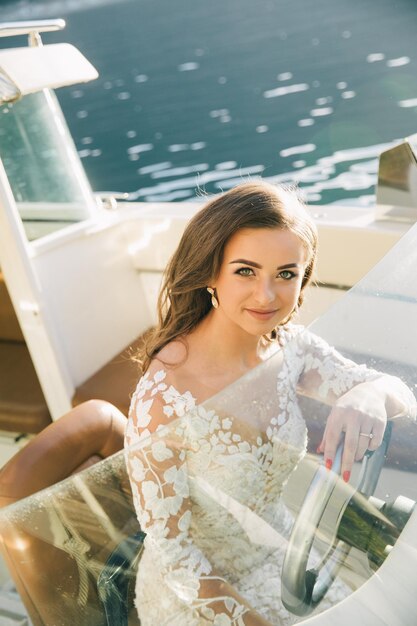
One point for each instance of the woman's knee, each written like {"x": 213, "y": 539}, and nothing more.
{"x": 110, "y": 422}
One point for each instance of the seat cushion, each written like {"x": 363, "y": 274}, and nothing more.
{"x": 115, "y": 382}
{"x": 22, "y": 405}
{"x": 9, "y": 326}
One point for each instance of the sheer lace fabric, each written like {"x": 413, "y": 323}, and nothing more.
{"x": 207, "y": 485}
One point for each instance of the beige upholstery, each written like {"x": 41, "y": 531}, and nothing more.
{"x": 22, "y": 404}
{"x": 9, "y": 325}
{"x": 23, "y": 408}
{"x": 115, "y": 382}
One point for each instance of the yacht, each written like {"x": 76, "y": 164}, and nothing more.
{"x": 80, "y": 273}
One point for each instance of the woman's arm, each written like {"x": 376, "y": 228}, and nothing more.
{"x": 363, "y": 411}
{"x": 362, "y": 400}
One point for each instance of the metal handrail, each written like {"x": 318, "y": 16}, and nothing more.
{"x": 31, "y": 28}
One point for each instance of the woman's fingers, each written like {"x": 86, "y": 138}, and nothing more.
{"x": 378, "y": 430}
{"x": 332, "y": 436}
{"x": 353, "y": 448}
{"x": 357, "y": 429}
{"x": 364, "y": 438}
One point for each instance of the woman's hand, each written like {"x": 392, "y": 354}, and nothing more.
{"x": 362, "y": 416}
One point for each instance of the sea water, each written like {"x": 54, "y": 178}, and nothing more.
{"x": 196, "y": 95}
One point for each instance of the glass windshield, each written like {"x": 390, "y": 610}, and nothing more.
{"x": 42, "y": 165}
{"x": 233, "y": 489}
{"x": 74, "y": 549}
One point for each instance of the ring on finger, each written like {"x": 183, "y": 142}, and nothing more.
{"x": 369, "y": 435}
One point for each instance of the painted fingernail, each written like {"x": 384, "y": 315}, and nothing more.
{"x": 329, "y": 464}
{"x": 346, "y": 476}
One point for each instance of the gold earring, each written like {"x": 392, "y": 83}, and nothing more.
{"x": 214, "y": 300}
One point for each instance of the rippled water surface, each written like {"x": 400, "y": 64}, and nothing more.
{"x": 195, "y": 95}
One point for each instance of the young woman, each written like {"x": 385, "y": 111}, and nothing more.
{"x": 230, "y": 291}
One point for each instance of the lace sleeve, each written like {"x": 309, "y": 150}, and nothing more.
{"x": 327, "y": 375}
{"x": 156, "y": 458}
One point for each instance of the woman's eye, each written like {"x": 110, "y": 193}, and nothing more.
{"x": 287, "y": 274}
{"x": 245, "y": 271}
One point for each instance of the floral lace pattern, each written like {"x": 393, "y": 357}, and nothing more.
{"x": 207, "y": 485}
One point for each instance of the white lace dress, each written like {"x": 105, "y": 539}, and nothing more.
{"x": 207, "y": 487}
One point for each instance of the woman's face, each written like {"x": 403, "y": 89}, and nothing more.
{"x": 260, "y": 278}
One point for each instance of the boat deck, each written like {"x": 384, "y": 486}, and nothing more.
{"x": 12, "y": 611}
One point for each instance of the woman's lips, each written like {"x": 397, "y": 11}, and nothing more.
{"x": 262, "y": 315}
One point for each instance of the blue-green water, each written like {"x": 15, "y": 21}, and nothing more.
{"x": 196, "y": 94}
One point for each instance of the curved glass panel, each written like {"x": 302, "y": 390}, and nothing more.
{"x": 71, "y": 548}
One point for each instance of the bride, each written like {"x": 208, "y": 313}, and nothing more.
{"x": 235, "y": 281}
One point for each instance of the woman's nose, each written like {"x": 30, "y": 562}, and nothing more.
{"x": 265, "y": 292}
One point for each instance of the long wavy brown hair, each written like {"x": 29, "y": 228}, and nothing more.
{"x": 183, "y": 300}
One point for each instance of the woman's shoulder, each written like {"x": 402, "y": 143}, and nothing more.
{"x": 163, "y": 379}
{"x": 171, "y": 361}
{"x": 158, "y": 397}
{"x": 171, "y": 356}
{"x": 162, "y": 370}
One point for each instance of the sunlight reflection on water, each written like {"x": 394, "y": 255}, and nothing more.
{"x": 237, "y": 95}
{"x": 353, "y": 169}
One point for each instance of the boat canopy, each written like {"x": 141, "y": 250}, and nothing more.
{"x": 26, "y": 70}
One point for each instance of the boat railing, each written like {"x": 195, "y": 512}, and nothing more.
{"x": 32, "y": 28}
